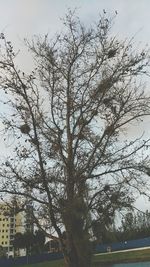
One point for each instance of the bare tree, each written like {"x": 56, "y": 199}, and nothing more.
{"x": 68, "y": 119}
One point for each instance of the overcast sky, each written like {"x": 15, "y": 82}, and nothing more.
{"x": 24, "y": 18}
{"x": 21, "y": 19}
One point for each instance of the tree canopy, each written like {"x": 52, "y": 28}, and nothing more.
{"x": 69, "y": 120}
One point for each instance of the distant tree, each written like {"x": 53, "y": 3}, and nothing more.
{"x": 134, "y": 225}
{"x": 3, "y": 252}
{"x": 18, "y": 241}
{"x": 69, "y": 118}
{"x": 129, "y": 221}
{"x": 128, "y": 229}
{"x": 39, "y": 240}
{"x": 103, "y": 233}
{"x": 29, "y": 241}
{"x": 24, "y": 240}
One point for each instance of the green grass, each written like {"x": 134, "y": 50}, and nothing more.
{"x": 129, "y": 256}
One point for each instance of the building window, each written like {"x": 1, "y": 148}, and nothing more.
{"x": 3, "y": 231}
{"x": 2, "y": 236}
{"x": 2, "y": 242}
{"x": 5, "y": 242}
{"x": 3, "y": 225}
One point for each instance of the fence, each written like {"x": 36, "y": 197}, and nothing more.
{"x": 11, "y": 262}
{"x": 129, "y": 244}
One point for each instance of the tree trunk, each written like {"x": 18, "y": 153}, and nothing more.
{"x": 80, "y": 259}
{"x": 78, "y": 251}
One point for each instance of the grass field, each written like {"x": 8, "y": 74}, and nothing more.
{"x": 128, "y": 256}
